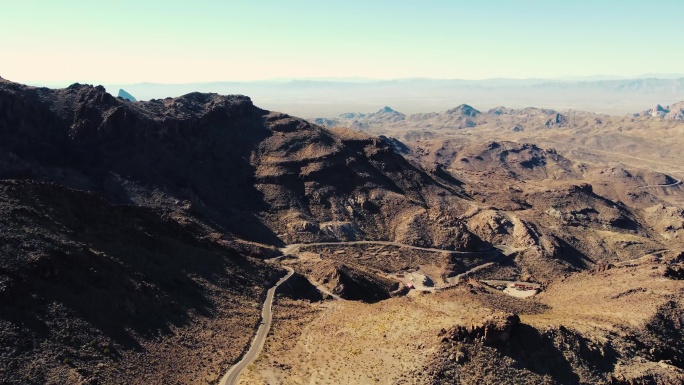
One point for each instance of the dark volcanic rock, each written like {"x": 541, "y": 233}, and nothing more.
{"x": 675, "y": 272}
{"x": 494, "y": 330}
{"x": 84, "y": 282}
{"x": 127, "y": 227}
{"x": 216, "y": 156}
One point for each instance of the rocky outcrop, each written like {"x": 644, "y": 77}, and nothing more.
{"x": 673, "y": 112}
{"x": 494, "y": 330}
{"x": 675, "y": 272}
{"x": 503, "y": 351}
{"x": 675, "y": 115}
{"x": 557, "y": 121}
{"x": 657, "y": 112}
{"x": 647, "y": 373}
{"x": 676, "y": 112}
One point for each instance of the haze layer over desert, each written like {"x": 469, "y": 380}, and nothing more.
{"x": 299, "y": 192}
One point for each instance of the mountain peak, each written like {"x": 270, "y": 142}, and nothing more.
{"x": 464, "y": 110}
{"x": 78, "y": 86}
{"x": 657, "y": 112}
{"x": 387, "y": 109}
{"x": 125, "y": 95}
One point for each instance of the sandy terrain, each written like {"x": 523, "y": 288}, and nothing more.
{"x": 356, "y": 343}
{"x": 336, "y": 342}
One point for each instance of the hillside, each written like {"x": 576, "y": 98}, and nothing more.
{"x": 263, "y": 176}
{"x": 136, "y": 238}
{"x": 593, "y": 206}
{"x": 129, "y": 226}
{"x": 90, "y": 289}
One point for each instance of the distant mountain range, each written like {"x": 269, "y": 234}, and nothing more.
{"x": 330, "y": 97}
{"x": 388, "y": 120}
{"x": 133, "y": 236}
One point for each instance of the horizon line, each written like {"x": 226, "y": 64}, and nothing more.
{"x": 359, "y": 79}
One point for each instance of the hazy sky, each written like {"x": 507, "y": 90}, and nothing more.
{"x": 127, "y": 41}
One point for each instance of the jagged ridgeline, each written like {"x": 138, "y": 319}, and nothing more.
{"x": 127, "y": 226}
{"x": 134, "y": 234}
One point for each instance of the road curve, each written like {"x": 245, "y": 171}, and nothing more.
{"x": 231, "y": 377}
{"x": 293, "y": 248}
{"x": 233, "y": 374}
{"x": 675, "y": 183}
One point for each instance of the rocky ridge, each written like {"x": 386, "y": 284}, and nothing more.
{"x": 171, "y": 204}
{"x": 106, "y": 183}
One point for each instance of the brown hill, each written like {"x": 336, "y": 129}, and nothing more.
{"x": 129, "y": 227}
{"x": 89, "y": 289}
{"x": 263, "y": 176}
{"x": 134, "y": 233}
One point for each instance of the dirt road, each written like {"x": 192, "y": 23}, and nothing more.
{"x": 233, "y": 374}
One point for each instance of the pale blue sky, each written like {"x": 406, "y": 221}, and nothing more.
{"x": 171, "y": 41}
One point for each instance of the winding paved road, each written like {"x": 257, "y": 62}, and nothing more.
{"x": 676, "y": 183}
{"x": 289, "y": 249}
{"x": 231, "y": 377}
{"x": 233, "y": 374}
